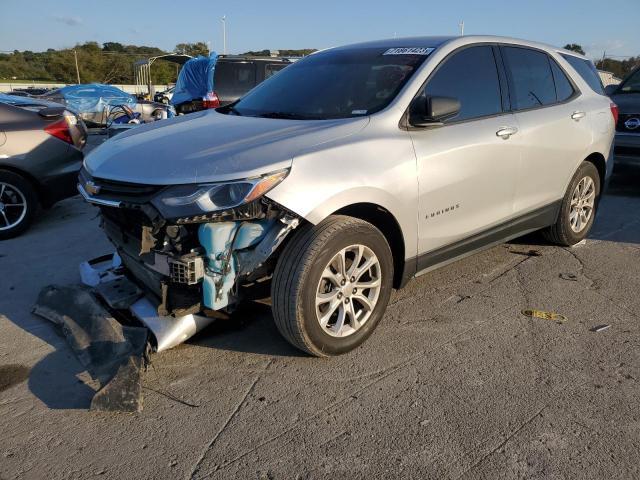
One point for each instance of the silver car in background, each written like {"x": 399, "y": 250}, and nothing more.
{"x": 349, "y": 173}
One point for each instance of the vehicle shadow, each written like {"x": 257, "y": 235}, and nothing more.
{"x": 250, "y": 329}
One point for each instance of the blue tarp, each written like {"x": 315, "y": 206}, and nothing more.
{"x": 195, "y": 79}
{"x": 91, "y": 97}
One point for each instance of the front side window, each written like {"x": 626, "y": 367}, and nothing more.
{"x": 471, "y": 76}
{"x": 532, "y": 82}
{"x": 587, "y": 70}
{"x": 340, "y": 83}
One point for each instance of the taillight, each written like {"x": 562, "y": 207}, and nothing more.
{"x": 60, "y": 129}
{"x": 68, "y": 129}
{"x": 615, "y": 111}
{"x": 211, "y": 100}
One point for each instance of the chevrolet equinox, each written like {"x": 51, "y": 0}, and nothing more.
{"x": 350, "y": 172}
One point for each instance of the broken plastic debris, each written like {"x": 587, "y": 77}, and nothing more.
{"x": 111, "y": 353}
{"x": 600, "y": 328}
{"x": 580, "y": 243}
{"x": 569, "y": 276}
{"x": 556, "y": 317}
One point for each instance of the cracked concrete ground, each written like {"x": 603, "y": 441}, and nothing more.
{"x": 455, "y": 383}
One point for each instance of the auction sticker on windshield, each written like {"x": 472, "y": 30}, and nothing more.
{"x": 409, "y": 51}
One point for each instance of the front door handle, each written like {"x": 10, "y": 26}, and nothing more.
{"x": 506, "y": 132}
{"x": 578, "y": 115}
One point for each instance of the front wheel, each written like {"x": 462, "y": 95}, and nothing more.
{"x": 331, "y": 285}
{"x": 578, "y": 209}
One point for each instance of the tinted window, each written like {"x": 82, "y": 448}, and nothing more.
{"x": 234, "y": 78}
{"x": 587, "y": 70}
{"x": 272, "y": 68}
{"x": 471, "y": 76}
{"x": 564, "y": 89}
{"x": 631, "y": 84}
{"x": 532, "y": 81}
{"x": 336, "y": 83}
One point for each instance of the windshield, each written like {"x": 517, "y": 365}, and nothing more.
{"x": 334, "y": 84}
{"x": 631, "y": 84}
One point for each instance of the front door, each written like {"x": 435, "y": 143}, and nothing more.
{"x": 466, "y": 168}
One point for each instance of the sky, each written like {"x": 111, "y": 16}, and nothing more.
{"x": 599, "y": 26}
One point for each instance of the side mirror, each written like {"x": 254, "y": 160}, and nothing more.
{"x": 610, "y": 89}
{"x": 432, "y": 111}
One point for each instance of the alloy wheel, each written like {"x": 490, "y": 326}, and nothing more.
{"x": 582, "y": 204}
{"x": 348, "y": 290}
{"x": 13, "y": 206}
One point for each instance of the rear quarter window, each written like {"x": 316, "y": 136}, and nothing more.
{"x": 587, "y": 70}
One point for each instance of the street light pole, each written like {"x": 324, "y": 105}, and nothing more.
{"x": 224, "y": 34}
{"x": 75, "y": 55}
{"x": 461, "y": 27}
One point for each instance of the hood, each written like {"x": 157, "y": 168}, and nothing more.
{"x": 627, "y": 102}
{"x": 210, "y": 146}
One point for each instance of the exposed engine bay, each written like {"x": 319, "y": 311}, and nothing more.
{"x": 188, "y": 266}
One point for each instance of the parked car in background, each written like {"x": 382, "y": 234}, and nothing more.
{"x": 94, "y": 102}
{"x": 352, "y": 171}
{"x": 233, "y": 76}
{"x": 627, "y": 96}
{"x": 164, "y": 97}
{"x": 40, "y": 154}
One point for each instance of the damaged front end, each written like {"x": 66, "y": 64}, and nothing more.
{"x": 194, "y": 252}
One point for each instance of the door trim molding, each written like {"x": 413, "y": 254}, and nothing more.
{"x": 529, "y": 222}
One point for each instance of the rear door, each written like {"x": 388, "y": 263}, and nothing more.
{"x": 555, "y": 130}
{"x": 466, "y": 171}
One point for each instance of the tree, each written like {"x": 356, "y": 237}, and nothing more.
{"x": 193, "y": 49}
{"x": 574, "y": 47}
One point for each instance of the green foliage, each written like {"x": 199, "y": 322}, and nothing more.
{"x": 193, "y": 49}
{"x": 574, "y": 47}
{"x": 620, "y": 68}
{"x": 111, "y": 62}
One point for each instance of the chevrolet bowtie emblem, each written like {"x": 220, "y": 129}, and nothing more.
{"x": 91, "y": 188}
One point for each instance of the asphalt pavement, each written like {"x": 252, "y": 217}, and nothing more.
{"x": 455, "y": 383}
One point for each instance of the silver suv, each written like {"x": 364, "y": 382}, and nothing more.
{"x": 349, "y": 173}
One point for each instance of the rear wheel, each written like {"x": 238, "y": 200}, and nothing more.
{"x": 578, "y": 208}
{"x": 18, "y": 203}
{"x": 331, "y": 285}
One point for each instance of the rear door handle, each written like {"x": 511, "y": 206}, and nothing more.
{"x": 578, "y": 115}
{"x": 506, "y": 132}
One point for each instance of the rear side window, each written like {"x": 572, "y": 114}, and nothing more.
{"x": 272, "y": 68}
{"x": 587, "y": 70}
{"x": 471, "y": 76}
{"x": 234, "y": 78}
{"x": 532, "y": 82}
{"x": 564, "y": 89}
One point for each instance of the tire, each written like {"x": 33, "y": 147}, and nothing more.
{"x": 562, "y": 232}
{"x": 300, "y": 275}
{"x": 16, "y": 188}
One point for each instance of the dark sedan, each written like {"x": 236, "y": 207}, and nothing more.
{"x": 627, "y": 97}
{"x": 40, "y": 154}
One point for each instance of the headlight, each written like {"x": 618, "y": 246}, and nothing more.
{"x": 195, "y": 200}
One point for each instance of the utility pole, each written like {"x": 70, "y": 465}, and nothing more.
{"x": 224, "y": 34}
{"x": 75, "y": 55}
{"x": 461, "y": 25}
{"x": 604, "y": 54}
